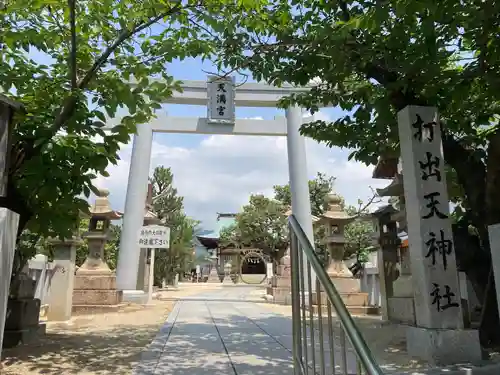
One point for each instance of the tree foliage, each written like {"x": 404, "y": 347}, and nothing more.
{"x": 167, "y": 203}
{"x": 76, "y": 64}
{"x": 319, "y": 188}
{"x": 262, "y": 224}
{"x": 169, "y": 208}
{"x": 357, "y": 234}
{"x": 372, "y": 59}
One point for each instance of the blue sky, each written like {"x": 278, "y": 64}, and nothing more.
{"x": 218, "y": 173}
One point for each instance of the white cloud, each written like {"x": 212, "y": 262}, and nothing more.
{"x": 220, "y": 173}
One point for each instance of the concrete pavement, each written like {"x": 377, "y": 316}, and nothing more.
{"x": 224, "y": 332}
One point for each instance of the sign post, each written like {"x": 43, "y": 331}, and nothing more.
{"x": 153, "y": 237}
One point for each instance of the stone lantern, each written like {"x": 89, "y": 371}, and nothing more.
{"x": 101, "y": 215}
{"x": 95, "y": 283}
{"x": 335, "y": 220}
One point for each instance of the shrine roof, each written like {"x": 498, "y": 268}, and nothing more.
{"x": 387, "y": 209}
{"x": 223, "y": 221}
{"x": 395, "y": 188}
{"x": 11, "y": 103}
{"x": 386, "y": 168}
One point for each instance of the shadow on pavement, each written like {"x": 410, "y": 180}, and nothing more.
{"x": 114, "y": 351}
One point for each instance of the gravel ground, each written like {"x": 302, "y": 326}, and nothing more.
{"x": 99, "y": 344}
{"x": 387, "y": 343}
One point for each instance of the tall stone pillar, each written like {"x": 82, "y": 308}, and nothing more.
{"x": 438, "y": 336}
{"x": 128, "y": 257}
{"x": 62, "y": 283}
{"x": 299, "y": 179}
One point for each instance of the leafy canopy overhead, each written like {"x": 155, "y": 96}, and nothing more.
{"x": 73, "y": 64}
{"x": 374, "y": 58}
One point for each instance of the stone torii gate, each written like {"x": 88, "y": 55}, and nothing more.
{"x": 202, "y": 93}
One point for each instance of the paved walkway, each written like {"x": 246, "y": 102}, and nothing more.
{"x": 223, "y": 332}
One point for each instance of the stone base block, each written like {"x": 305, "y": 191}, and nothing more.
{"x": 350, "y": 299}
{"x": 281, "y": 282}
{"x": 135, "y": 296}
{"x": 95, "y": 282}
{"x": 27, "y": 335}
{"x": 97, "y": 297}
{"x": 401, "y": 310}
{"x": 346, "y": 284}
{"x": 403, "y": 286}
{"x": 283, "y": 271}
{"x": 280, "y": 295}
{"x": 441, "y": 347}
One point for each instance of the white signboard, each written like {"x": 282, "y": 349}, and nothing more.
{"x": 154, "y": 236}
{"x": 198, "y": 270}
{"x": 221, "y": 93}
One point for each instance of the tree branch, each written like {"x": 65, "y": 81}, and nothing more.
{"x": 71, "y": 101}
{"x": 72, "y": 56}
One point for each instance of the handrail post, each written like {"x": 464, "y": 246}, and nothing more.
{"x": 295, "y": 289}
{"x": 347, "y": 323}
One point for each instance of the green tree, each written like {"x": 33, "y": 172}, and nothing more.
{"x": 167, "y": 203}
{"x": 169, "y": 208}
{"x": 262, "y": 224}
{"x": 319, "y": 188}
{"x": 180, "y": 256}
{"x": 358, "y": 233}
{"x": 74, "y": 65}
{"x": 372, "y": 59}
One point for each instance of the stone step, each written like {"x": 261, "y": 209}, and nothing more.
{"x": 350, "y": 299}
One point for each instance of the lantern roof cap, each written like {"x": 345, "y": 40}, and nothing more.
{"x": 102, "y": 208}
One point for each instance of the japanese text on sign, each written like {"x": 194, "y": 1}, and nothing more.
{"x": 154, "y": 236}
{"x": 439, "y": 246}
{"x": 221, "y": 99}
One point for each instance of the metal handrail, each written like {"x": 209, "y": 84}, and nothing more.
{"x": 357, "y": 341}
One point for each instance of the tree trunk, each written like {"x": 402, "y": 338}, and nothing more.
{"x": 482, "y": 198}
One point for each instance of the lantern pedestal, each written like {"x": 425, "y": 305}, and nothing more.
{"x": 95, "y": 284}
{"x": 213, "y": 277}
{"x": 280, "y": 287}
